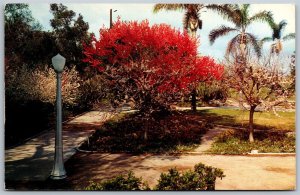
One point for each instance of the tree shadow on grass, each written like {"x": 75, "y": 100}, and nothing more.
{"x": 175, "y": 132}
{"x": 228, "y": 120}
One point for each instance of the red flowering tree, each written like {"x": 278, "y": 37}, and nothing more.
{"x": 150, "y": 65}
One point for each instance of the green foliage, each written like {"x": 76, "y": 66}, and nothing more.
{"x": 25, "y": 43}
{"x": 93, "y": 90}
{"x": 20, "y": 13}
{"x": 202, "y": 178}
{"x": 212, "y": 91}
{"x": 240, "y": 16}
{"x": 120, "y": 182}
{"x": 70, "y": 33}
{"x": 236, "y": 142}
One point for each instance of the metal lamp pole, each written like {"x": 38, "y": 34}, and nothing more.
{"x": 58, "y": 171}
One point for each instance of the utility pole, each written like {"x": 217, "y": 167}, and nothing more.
{"x": 110, "y": 18}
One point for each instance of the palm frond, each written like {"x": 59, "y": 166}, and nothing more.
{"x": 289, "y": 36}
{"x": 199, "y": 7}
{"x": 185, "y": 21}
{"x": 282, "y": 24}
{"x": 193, "y": 7}
{"x": 232, "y": 44}
{"x": 263, "y": 16}
{"x": 227, "y": 11}
{"x": 254, "y": 43}
{"x": 245, "y": 7}
{"x": 266, "y": 39}
{"x": 221, "y": 31}
{"x": 235, "y": 6}
{"x": 168, "y": 7}
{"x": 272, "y": 24}
{"x": 244, "y": 11}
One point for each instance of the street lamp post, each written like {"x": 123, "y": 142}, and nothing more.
{"x": 110, "y": 17}
{"x": 58, "y": 171}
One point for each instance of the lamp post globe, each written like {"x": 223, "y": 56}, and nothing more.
{"x": 58, "y": 171}
{"x": 58, "y": 63}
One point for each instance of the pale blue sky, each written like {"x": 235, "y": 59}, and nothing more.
{"x": 97, "y": 15}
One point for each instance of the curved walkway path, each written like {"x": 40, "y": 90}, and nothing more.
{"x": 208, "y": 138}
{"x": 33, "y": 160}
{"x": 242, "y": 172}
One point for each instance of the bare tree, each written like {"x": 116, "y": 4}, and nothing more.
{"x": 258, "y": 84}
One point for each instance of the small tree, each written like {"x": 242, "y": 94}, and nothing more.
{"x": 258, "y": 84}
{"x": 151, "y": 65}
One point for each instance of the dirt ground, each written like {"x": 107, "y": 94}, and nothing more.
{"x": 242, "y": 172}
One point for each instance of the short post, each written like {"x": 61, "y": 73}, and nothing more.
{"x": 58, "y": 171}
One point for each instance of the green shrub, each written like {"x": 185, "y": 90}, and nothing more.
{"x": 215, "y": 90}
{"x": 202, "y": 178}
{"x": 120, "y": 182}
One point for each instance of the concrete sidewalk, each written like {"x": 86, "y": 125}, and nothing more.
{"x": 33, "y": 160}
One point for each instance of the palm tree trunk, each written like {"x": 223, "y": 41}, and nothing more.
{"x": 251, "y": 130}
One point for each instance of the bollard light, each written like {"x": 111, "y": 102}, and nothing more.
{"x": 58, "y": 171}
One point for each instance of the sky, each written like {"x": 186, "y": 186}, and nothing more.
{"x": 97, "y": 15}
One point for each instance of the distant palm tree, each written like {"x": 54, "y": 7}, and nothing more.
{"x": 277, "y": 29}
{"x": 191, "y": 23}
{"x": 238, "y": 14}
{"x": 191, "y": 19}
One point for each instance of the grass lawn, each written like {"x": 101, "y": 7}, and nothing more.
{"x": 236, "y": 142}
{"x": 262, "y": 120}
{"x": 181, "y": 131}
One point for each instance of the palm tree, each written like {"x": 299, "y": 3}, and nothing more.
{"x": 277, "y": 29}
{"x": 240, "y": 45}
{"x": 191, "y": 19}
{"x": 191, "y": 23}
{"x": 238, "y": 14}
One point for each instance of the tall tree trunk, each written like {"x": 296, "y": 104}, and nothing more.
{"x": 146, "y": 135}
{"x": 146, "y": 129}
{"x": 194, "y": 101}
{"x": 251, "y": 130}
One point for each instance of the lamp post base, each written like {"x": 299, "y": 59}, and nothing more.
{"x": 56, "y": 177}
